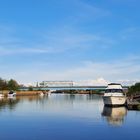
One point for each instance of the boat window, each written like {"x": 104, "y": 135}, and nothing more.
{"x": 11, "y": 92}
{"x": 113, "y": 90}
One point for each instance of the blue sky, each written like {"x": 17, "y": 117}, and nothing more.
{"x": 80, "y": 40}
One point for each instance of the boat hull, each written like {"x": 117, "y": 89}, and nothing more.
{"x": 11, "y": 95}
{"x": 114, "y": 100}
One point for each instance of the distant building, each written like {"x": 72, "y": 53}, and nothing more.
{"x": 56, "y": 84}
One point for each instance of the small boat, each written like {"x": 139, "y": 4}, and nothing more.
{"x": 11, "y": 94}
{"x": 1, "y": 95}
{"x": 41, "y": 94}
{"x": 114, "y": 95}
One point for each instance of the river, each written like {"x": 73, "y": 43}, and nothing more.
{"x": 65, "y": 117}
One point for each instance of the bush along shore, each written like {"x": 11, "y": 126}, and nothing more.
{"x": 12, "y": 85}
{"x": 134, "y": 90}
{"x": 133, "y": 97}
{"x": 24, "y": 93}
{"x": 9, "y": 85}
{"x": 78, "y": 91}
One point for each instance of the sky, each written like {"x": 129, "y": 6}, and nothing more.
{"x": 92, "y": 42}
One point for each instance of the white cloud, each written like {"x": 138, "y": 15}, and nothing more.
{"x": 98, "y": 82}
{"x": 18, "y": 50}
{"x": 128, "y": 82}
{"x": 87, "y": 73}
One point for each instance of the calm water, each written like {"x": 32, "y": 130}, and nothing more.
{"x": 66, "y": 117}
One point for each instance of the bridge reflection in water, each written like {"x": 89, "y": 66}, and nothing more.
{"x": 114, "y": 115}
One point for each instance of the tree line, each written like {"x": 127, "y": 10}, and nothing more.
{"x": 135, "y": 89}
{"x": 8, "y": 85}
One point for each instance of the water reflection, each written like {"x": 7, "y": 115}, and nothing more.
{"x": 9, "y": 103}
{"x": 82, "y": 107}
{"x": 114, "y": 115}
{"x": 12, "y": 102}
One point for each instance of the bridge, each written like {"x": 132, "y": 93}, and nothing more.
{"x": 71, "y": 88}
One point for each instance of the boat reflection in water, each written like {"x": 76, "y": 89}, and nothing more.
{"x": 12, "y": 102}
{"x": 9, "y": 103}
{"x": 114, "y": 115}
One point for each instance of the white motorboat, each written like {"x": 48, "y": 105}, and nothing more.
{"x": 41, "y": 94}
{"x": 114, "y": 95}
{"x": 11, "y": 94}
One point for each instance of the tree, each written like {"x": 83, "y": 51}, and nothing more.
{"x": 12, "y": 85}
{"x": 135, "y": 89}
{"x": 3, "y": 84}
{"x": 30, "y": 88}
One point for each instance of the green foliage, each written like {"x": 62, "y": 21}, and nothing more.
{"x": 30, "y": 88}
{"x": 3, "y": 84}
{"x": 135, "y": 89}
{"x": 12, "y": 85}
{"x": 8, "y": 85}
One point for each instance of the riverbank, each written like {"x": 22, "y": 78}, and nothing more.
{"x": 24, "y": 93}
{"x": 72, "y": 91}
{"x": 37, "y": 92}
